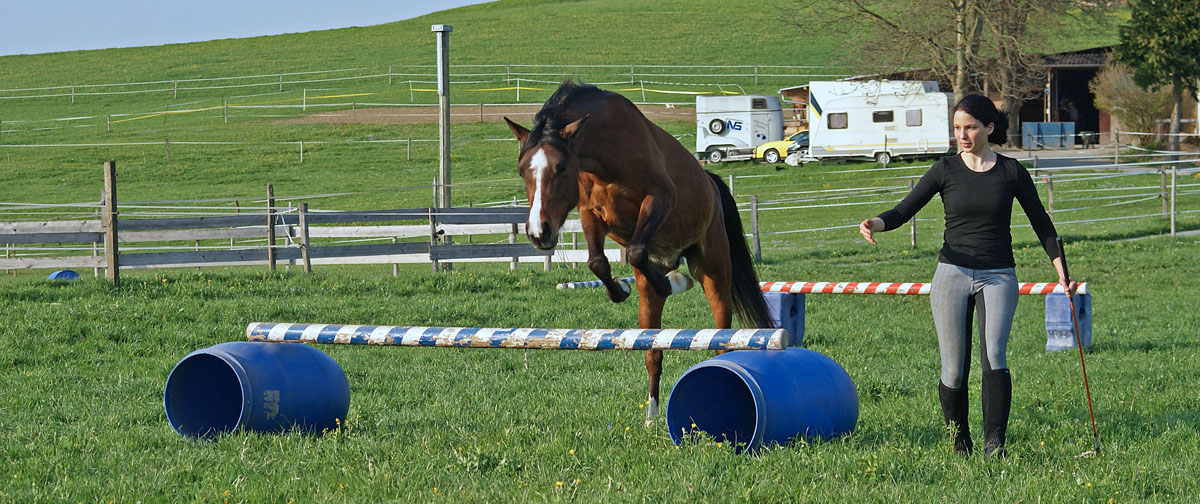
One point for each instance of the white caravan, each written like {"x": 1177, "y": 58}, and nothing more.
{"x": 729, "y": 127}
{"x": 877, "y": 119}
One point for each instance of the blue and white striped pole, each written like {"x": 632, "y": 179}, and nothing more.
{"x": 563, "y": 339}
{"x": 590, "y": 284}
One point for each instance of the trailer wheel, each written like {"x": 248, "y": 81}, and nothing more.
{"x": 883, "y": 158}
{"x": 716, "y": 126}
{"x": 715, "y": 156}
{"x": 771, "y": 156}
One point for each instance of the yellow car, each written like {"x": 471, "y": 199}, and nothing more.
{"x": 774, "y": 152}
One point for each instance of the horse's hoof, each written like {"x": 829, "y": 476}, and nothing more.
{"x": 651, "y": 412}
{"x": 680, "y": 282}
{"x": 619, "y": 294}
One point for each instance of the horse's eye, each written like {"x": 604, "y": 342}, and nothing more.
{"x": 562, "y": 167}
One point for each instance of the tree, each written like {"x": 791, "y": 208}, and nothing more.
{"x": 1132, "y": 105}
{"x": 945, "y": 36}
{"x": 1161, "y": 43}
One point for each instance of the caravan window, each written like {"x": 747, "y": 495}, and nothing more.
{"x": 837, "y": 121}
{"x": 882, "y": 116}
{"x": 758, "y": 103}
{"x": 912, "y": 117}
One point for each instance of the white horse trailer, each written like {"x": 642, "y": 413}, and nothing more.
{"x": 880, "y": 120}
{"x": 729, "y": 127}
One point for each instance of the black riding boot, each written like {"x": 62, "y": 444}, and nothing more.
{"x": 954, "y": 410}
{"x": 997, "y": 400}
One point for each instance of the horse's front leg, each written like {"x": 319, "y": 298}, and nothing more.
{"x": 651, "y": 215}
{"x": 594, "y": 232}
{"x": 650, "y": 308}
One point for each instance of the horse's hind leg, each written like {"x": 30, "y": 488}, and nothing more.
{"x": 716, "y": 278}
{"x": 650, "y": 308}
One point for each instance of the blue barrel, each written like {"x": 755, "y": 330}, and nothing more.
{"x": 264, "y": 387}
{"x": 64, "y": 275}
{"x": 753, "y": 398}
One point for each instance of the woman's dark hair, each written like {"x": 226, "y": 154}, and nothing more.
{"x": 982, "y": 108}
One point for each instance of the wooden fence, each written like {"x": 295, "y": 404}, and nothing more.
{"x": 297, "y": 228}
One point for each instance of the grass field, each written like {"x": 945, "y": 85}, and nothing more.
{"x": 84, "y": 364}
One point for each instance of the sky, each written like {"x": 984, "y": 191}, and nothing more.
{"x": 39, "y": 26}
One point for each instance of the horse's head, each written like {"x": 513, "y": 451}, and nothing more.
{"x": 550, "y": 169}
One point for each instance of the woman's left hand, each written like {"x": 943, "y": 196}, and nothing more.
{"x": 1068, "y": 285}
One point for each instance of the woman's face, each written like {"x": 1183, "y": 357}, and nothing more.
{"x": 972, "y": 135}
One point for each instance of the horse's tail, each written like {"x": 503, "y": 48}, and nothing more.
{"x": 748, "y": 302}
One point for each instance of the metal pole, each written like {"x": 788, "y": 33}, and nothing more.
{"x": 389, "y": 75}
{"x": 225, "y": 112}
{"x": 754, "y": 227}
{"x": 1173, "y": 171}
{"x": 271, "y": 226}
{"x": 304, "y": 101}
{"x": 912, "y": 223}
{"x": 1050, "y": 195}
{"x": 302, "y": 151}
{"x": 304, "y": 248}
{"x": 1162, "y": 192}
{"x": 731, "y": 184}
{"x": 443, "y": 69}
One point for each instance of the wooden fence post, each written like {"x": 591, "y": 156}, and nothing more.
{"x": 112, "y": 265}
{"x": 304, "y": 238}
{"x": 754, "y": 227}
{"x": 271, "y": 226}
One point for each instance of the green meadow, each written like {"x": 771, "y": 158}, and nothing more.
{"x": 83, "y": 364}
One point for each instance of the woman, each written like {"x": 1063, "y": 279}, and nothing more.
{"x": 975, "y": 267}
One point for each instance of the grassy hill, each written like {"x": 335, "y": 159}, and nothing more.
{"x": 251, "y": 147}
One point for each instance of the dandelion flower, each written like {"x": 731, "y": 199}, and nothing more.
{"x": 558, "y": 484}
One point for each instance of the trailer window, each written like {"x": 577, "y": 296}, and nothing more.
{"x": 837, "y": 121}
{"x": 758, "y": 103}
{"x": 882, "y": 116}
{"x": 912, "y": 117}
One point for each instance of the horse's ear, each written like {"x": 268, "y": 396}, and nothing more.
{"x": 519, "y": 131}
{"x": 571, "y": 129}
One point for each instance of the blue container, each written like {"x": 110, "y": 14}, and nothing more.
{"x": 753, "y": 398}
{"x": 1060, "y": 333}
{"x": 64, "y": 275}
{"x": 264, "y": 387}
{"x": 787, "y": 311}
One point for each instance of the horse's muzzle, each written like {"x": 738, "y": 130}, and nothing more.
{"x": 546, "y": 240}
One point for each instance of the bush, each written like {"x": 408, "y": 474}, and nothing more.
{"x": 1137, "y": 109}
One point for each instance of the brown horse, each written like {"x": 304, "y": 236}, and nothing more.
{"x": 634, "y": 182}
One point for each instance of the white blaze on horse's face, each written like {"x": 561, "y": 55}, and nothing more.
{"x": 553, "y": 191}
{"x": 538, "y": 164}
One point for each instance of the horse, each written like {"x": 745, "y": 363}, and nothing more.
{"x": 632, "y": 181}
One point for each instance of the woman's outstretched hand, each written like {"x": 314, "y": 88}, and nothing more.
{"x": 867, "y": 229}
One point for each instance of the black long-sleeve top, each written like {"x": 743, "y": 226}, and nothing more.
{"x": 978, "y": 211}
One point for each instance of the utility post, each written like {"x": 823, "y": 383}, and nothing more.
{"x": 443, "y": 89}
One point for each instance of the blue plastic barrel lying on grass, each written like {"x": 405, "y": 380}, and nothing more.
{"x": 753, "y": 398}
{"x": 264, "y": 387}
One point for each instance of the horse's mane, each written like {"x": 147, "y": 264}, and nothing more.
{"x": 553, "y": 116}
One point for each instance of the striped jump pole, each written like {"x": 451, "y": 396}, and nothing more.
{"x": 590, "y": 284}
{"x": 558, "y": 339}
{"x": 896, "y": 288}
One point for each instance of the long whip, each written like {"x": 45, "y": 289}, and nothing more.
{"x": 1079, "y": 344}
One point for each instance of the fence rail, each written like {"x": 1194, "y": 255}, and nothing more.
{"x": 298, "y": 227}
